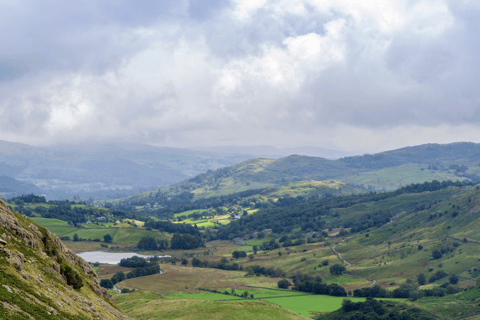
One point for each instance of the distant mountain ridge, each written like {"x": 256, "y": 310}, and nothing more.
{"x": 9, "y": 185}
{"x": 382, "y": 171}
{"x": 65, "y": 171}
{"x": 273, "y": 152}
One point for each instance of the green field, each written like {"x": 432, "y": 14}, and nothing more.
{"x": 148, "y": 305}
{"x": 304, "y": 304}
{"x": 204, "y": 296}
{"x": 311, "y": 304}
{"x": 46, "y": 222}
{"x": 124, "y": 233}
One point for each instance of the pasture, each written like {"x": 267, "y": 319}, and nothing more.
{"x": 147, "y": 305}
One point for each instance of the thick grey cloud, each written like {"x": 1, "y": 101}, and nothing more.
{"x": 357, "y": 75}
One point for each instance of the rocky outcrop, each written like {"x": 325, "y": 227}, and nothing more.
{"x": 48, "y": 277}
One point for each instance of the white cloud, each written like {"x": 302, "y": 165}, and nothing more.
{"x": 262, "y": 72}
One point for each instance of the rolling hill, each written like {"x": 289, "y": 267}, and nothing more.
{"x": 384, "y": 171}
{"x": 105, "y": 171}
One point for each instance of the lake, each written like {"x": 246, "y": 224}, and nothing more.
{"x": 110, "y": 257}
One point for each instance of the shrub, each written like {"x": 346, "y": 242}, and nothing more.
{"x": 106, "y": 283}
{"x": 436, "y": 254}
{"x": 337, "y": 269}
{"x": 239, "y": 254}
{"x": 284, "y": 284}
{"x": 421, "y": 279}
{"x": 437, "y": 276}
{"x": 453, "y": 279}
{"x": 73, "y": 278}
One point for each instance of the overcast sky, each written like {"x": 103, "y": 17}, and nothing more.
{"x": 361, "y": 76}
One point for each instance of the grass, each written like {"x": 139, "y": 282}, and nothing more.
{"x": 308, "y": 305}
{"x": 46, "y": 222}
{"x": 204, "y": 296}
{"x": 141, "y": 305}
{"x": 394, "y": 177}
{"x": 123, "y": 234}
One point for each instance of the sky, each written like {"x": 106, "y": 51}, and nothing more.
{"x": 359, "y": 76}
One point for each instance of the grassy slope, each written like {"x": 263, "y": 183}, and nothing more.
{"x": 123, "y": 234}
{"x": 387, "y": 170}
{"x": 31, "y": 282}
{"x": 146, "y": 305}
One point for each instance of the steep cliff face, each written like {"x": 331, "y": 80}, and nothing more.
{"x": 41, "y": 279}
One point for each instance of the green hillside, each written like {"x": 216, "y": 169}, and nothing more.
{"x": 41, "y": 279}
{"x": 384, "y": 171}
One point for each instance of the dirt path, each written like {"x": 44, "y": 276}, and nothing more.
{"x": 348, "y": 265}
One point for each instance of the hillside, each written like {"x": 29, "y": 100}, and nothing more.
{"x": 12, "y": 187}
{"x": 99, "y": 170}
{"x": 384, "y": 171}
{"x": 42, "y": 279}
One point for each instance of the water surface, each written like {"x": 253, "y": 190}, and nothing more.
{"x": 110, "y": 257}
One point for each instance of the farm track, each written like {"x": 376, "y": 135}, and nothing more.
{"x": 349, "y": 265}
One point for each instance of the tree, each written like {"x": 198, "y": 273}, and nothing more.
{"x": 284, "y": 284}
{"x": 421, "y": 279}
{"x": 453, "y": 279}
{"x": 118, "y": 277}
{"x": 255, "y": 249}
{"x": 436, "y": 254}
{"x": 196, "y": 262}
{"x": 106, "y": 283}
{"x": 239, "y": 254}
{"x": 184, "y": 262}
{"x": 75, "y": 237}
{"x": 147, "y": 243}
{"x": 107, "y": 238}
{"x": 337, "y": 269}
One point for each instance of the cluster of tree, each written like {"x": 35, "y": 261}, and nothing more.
{"x": 232, "y": 292}
{"x": 186, "y": 241}
{"x": 109, "y": 283}
{"x": 239, "y": 254}
{"x": 372, "y": 292}
{"x": 372, "y": 309}
{"x": 135, "y": 262}
{"x": 440, "y": 274}
{"x": 149, "y": 243}
{"x": 142, "y": 272}
{"x": 310, "y": 215}
{"x": 368, "y": 221}
{"x": 293, "y": 242}
{"x": 269, "y": 272}
{"x": 222, "y": 264}
{"x": 306, "y": 283}
{"x": 337, "y": 269}
{"x": 406, "y": 291}
{"x": 28, "y": 198}
{"x": 67, "y": 211}
{"x": 141, "y": 266}
{"x": 170, "y": 227}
